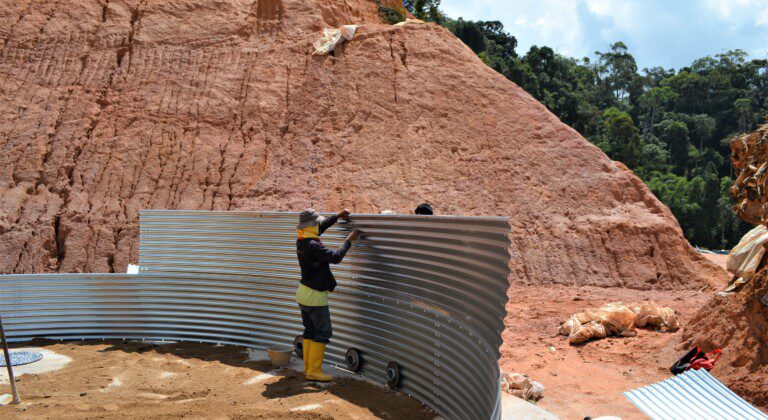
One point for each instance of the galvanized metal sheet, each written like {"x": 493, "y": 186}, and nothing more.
{"x": 427, "y": 292}
{"x": 694, "y": 394}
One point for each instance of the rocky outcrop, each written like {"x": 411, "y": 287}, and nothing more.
{"x": 749, "y": 155}
{"x": 113, "y": 106}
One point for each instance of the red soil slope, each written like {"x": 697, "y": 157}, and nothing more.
{"x": 737, "y": 323}
{"x": 113, "y": 106}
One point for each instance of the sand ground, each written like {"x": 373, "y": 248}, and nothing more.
{"x": 116, "y": 379}
{"x": 718, "y": 259}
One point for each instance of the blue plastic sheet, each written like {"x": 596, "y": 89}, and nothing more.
{"x": 22, "y": 358}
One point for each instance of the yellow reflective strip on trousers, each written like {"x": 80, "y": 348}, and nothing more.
{"x": 308, "y": 296}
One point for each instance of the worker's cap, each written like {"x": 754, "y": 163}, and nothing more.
{"x": 309, "y": 217}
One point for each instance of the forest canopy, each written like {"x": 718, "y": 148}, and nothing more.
{"x": 671, "y": 127}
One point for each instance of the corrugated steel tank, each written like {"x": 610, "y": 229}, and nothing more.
{"x": 425, "y": 292}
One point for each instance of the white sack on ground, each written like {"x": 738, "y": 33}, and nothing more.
{"x": 651, "y": 315}
{"x": 332, "y": 37}
{"x": 521, "y": 386}
{"x": 617, "y": 319}
{"x": 745, "y": 256}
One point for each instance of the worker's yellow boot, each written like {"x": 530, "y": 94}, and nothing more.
{"x": 305, "y": 343}
{"x": 316, "y": 356}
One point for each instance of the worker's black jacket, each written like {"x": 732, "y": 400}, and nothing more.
{"x": 314, "y": 259}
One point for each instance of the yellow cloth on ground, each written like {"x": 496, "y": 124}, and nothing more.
{"x": 308, "y": 296}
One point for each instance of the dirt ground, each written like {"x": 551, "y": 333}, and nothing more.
{"x": 589, "y": 380}
{"x": 114, "y": 379}
{"x": 718, "y": 259}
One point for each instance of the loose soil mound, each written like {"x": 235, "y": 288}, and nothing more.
{"x": 737, "y": 323}
{"x": 138, "y": 381}
{"x": 111, "y": 107}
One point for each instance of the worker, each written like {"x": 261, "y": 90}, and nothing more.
{"x": 424, "y": 209}
{"x": 316, "y": 281}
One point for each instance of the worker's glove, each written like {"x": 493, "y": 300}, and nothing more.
{"x": 354, "y": 235}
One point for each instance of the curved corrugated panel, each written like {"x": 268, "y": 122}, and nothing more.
{"x": 695, "y": 395}
{"x": 425, "y": 292}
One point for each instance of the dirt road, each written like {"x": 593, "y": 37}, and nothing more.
{"x": 589, "y": 380}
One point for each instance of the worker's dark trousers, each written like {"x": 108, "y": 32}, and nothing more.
{"x": 317, "y": 323}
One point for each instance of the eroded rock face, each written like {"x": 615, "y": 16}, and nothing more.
{"x": 111, "y": 107}
{"x": 749, "y": 154}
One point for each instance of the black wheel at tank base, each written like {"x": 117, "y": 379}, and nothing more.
{"x": 393, "y": 375}
{"x": 353, "y": 360}
{"x": 298, "y": 346}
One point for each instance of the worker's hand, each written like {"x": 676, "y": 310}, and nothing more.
{"x": 344, "y": 214}
{"x": 354, "y": 235}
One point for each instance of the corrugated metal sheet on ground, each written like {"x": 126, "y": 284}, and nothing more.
{"x": 427, "y": 292}
{"x": 694, "y": 394}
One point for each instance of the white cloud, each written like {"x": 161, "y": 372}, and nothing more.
{"x": 622, "y": 12}
{"x": 762, "y": 20}
{"x": 599, "y": 7}
{"x": 734, "y": 9}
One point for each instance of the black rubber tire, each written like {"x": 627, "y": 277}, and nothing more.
{"x": 353, "y": 360}
{"x": 298, "y": 346}
{"x": 393, "y": 375}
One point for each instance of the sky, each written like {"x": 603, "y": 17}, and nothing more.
{"x": 667, "y": 33}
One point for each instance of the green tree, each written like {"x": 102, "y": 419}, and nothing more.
{"x": 619, "y": 137}
{"x": 503, "y": 43}
{"x": 618, "y": 71}
{"x": 654, "y": 101}
{"x": 655, "y": 75}
{"x": 564, "y": 85}
{"x": 679, "y": 195}
{"x": 471, "y": 34}
{"x": 688, "y": 88}
{"x": 743, "y": 110}
{"x": 706, "y": 224}
{"x": 702, "y": 129}
{"x": 729, "y": 228}
{"x": 654, "y": 157}
{"x": 427, "y": 10}
{"x": 675, "y": 135}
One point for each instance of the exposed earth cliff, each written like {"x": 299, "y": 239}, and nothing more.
{"x": 114, "y": 106}
{"x": 738, "y": 322}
